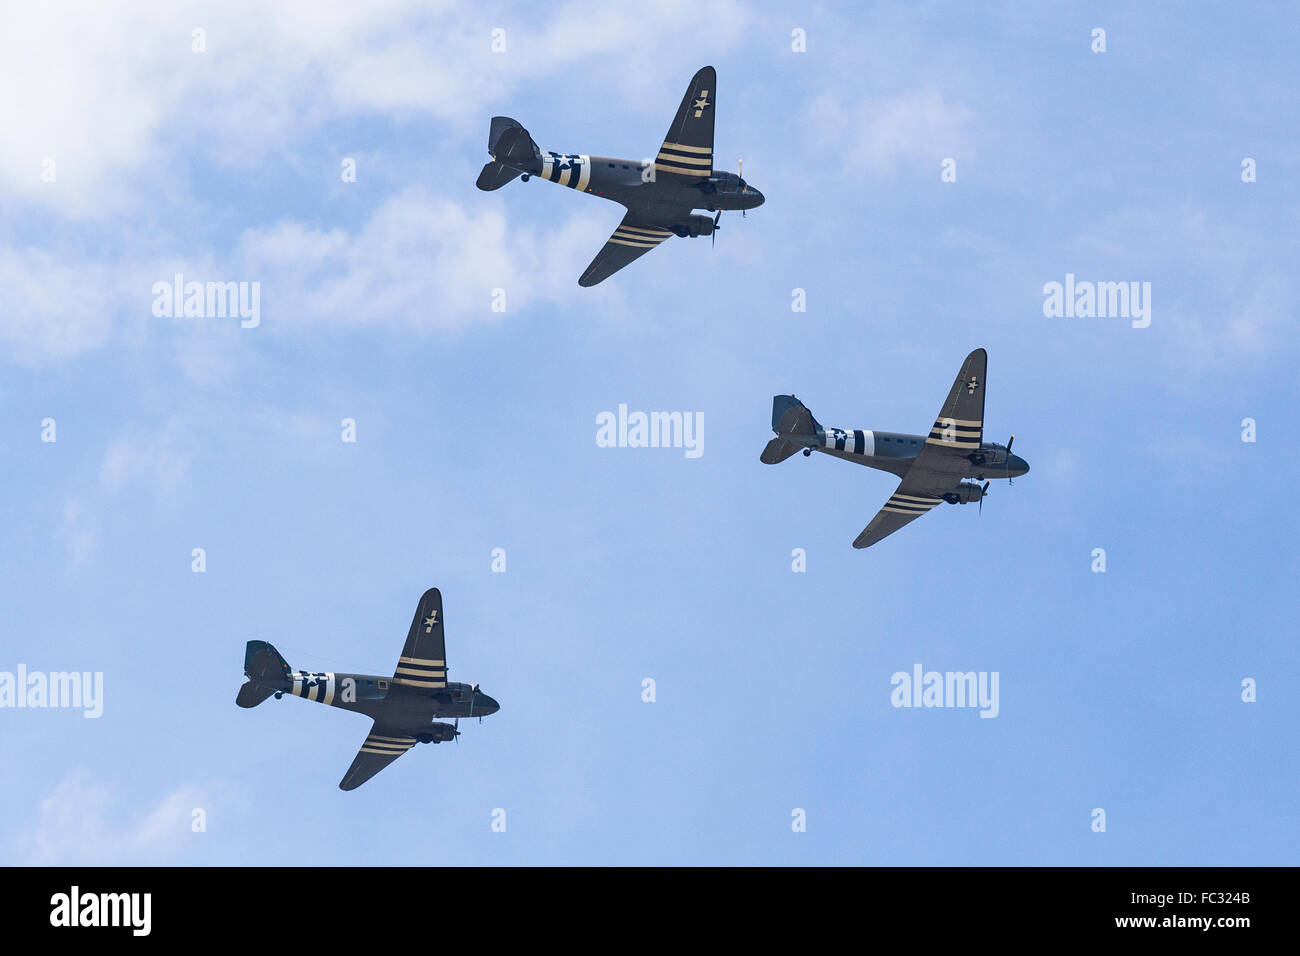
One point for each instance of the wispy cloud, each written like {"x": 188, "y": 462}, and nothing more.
{"x": 879, "y": 135}
{"x": 79, "y": 823}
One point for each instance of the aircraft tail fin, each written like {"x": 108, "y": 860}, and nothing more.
{"x": 262, "y": 662}
{"x": 510, "y": 145}
{"x": 791, "y": 417}
{"x": 265, "y": 669}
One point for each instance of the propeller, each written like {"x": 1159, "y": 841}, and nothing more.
{"x": 1007, "y": 463}
{"x": 713, "y": 234}
{"x": 456, "y": 731}
{"x": 984, "y": 491}
{"x": 740, "y": 174}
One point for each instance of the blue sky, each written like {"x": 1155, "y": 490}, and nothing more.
{"x": 476, "y": 430}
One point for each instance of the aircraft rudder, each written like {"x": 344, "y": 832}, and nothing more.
{"x": 263, "y": 662}
{"x": 511, "y": 145}
{"x": 782, "y": 405}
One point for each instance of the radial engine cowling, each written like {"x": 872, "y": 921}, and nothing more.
{"x": 437, "y": 733}
{"x": 694, "y": 226}
{"x": 966, "y": 492}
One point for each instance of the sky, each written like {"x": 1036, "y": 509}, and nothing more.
{"x": 928, "y": 170}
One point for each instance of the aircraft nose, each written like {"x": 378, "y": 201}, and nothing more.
{"x": 1019, "y": 464}
{"x": 487, "y": 705}
{"x": 757, "y": 199}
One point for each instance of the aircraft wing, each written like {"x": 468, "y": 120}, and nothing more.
{"x": 904, "y": 506}
{"x": 687, "y": 153}
{"x": 942, "y": 462}
{"x": 381, "y": 748}
{"x": 633, "y": 238}
{"x": 959, "y": 426}
{"x": 423, "y": 664}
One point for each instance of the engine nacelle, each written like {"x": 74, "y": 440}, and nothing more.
{"x": 437, "y": 733}
{"x": 694, "y": 226}
{"x": 966, "y": 492}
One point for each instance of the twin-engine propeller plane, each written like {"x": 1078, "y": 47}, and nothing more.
{"x": 660, "y": 201}
{"x": 403, "y": 707}
{"x": 933, "y": 467}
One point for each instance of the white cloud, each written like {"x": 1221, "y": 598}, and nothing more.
{"x": 111, "y": 91}
{"x": 115, "y": 95}
{"x": 419, "y": 261}
{"x": 1222, "y": 286}
{"x": 79, "y": 531}
{"x": 880, "y": 134}
{"x": 74, "y": 827}
{"x": 53, "y": 304}
{"x": 160, "y": 460}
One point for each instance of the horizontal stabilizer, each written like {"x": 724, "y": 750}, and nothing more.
{"x": 250, "y": 695}
{"x": 495, "y": 175}
{"x": 778, "y": 450}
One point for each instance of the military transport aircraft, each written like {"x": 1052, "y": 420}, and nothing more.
{"x": 933, "y": 467}
{"x": 403, "y": 707}
{"x": 660, "y": 200}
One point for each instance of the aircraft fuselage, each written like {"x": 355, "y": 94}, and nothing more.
{"x": 377, "y": 696}
{"x": 660, "y": 200}
{"x": 894, "y": 452}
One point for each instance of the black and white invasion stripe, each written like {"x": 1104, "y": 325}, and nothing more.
{"x": 313, "y": 686}
{"x": 910, "y": 504}
{"x": 567, "y": 169}
{"x": 956, "y": 433}
{"x": 641, "y": 237}
{"x": 421, "y": 672}
{"x": 685, "y": 160}
{"x": 386, "y": 746}
{"x": 856, "y": 442}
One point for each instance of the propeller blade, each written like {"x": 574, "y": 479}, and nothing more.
{"x": 740, "y": 174}
{"x": 983, "y": 491}
{"x": 1010, "y": 441}
{"x": 713, "y": 235}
